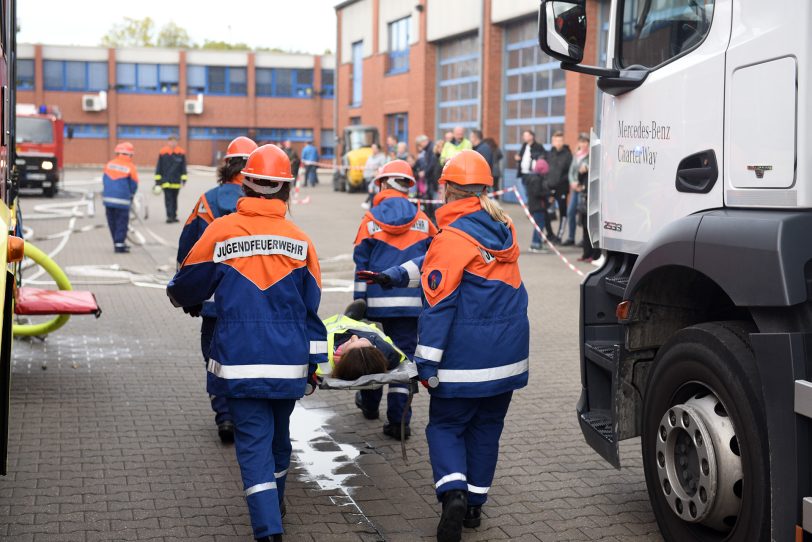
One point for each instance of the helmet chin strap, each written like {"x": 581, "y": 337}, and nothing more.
{"x": 393, "y": 183}
{"x": 260, "y": 189}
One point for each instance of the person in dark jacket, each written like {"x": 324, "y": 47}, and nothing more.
{"x": 293, "y": 156}
{"x": 531, "y": 150}
{"x": 481, "y": 147}
{"x": 170, "y": 175}
{"x": 496, "y": 165}
{"x": 559, "y": 157}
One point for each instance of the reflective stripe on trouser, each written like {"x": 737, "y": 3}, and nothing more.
{"x": 463, "y": 437}
{"x": 118, "y": 220}
{"x": 262, "y": 443}
{"x": 219, "y": 404}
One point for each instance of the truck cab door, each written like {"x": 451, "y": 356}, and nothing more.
{"x": 662, "y": 142}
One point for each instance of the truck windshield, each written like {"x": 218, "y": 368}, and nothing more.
{"x": 34, "y": 130}
{"x": 361, "y": 138}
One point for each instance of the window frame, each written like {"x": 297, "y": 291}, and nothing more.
{"x": 395, "y": 28}
{"x": 144, "y": 131}
{"x": 328, "y": 90}
{"x": 86, "y": 131}
{"x": 458, "y": 53}
{"x": 33, "y": 74}
{"x": 283, "y": 134}
{"x": 327, "y": 152}
{"x": 295, "y": 86}
{"x": 138, "y": 89}
{"x": 214, "y": 133}
{"x": 206, "y": 89}
{"x": 393, "y": 120}
{"x": 357, "y": 46}
{"x": 64, "y": 76}
{"x": 617, "y": 58}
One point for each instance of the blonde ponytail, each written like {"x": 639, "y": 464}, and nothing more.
{"x": 490, "y": 206}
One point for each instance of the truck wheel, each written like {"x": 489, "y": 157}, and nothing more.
{"x": 49, "y": 192}
{"x": 705, "y": 454}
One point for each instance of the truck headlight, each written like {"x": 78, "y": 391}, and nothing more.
{"x": 47, "y": 166}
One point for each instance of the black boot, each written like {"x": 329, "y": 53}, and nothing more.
{"x": 368, "y": 414}
{"x": 455, "y": 503}
{"x": 225, "y": 430}
{"x": 473, "y": 517}
{"x": 393, "y": 430}
{"x": 272, "y": 538}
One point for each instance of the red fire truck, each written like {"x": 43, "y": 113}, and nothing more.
{"x": 40, "y": 148}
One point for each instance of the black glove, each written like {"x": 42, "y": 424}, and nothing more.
{"x": 193, "y": 311}
{"x": 312, "y": 384}
{"x": 371, "y": 277}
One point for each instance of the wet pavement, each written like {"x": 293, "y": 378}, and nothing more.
{"x": 112, "y": 435}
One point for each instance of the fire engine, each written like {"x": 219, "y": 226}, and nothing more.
{"x": 40, "y": 146}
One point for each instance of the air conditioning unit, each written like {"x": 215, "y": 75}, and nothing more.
{"x": 94, "y": 102}
{"x": 194, "y": 107}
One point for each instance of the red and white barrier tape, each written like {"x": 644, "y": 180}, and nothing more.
{"x": 541, "y": 233}
{"x": 327, "y": 165}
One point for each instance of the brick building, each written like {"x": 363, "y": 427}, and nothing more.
{"x": 416, "y": 67}
{"x": 269, "y": 96}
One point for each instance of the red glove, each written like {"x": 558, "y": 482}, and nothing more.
{"x": 425, "y": 383}
{"x": 312, "y": 384}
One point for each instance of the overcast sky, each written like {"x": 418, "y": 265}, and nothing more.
{"x": 303, "y": 25}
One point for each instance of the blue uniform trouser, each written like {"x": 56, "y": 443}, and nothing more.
{"x": 118, "y": 220}
{"x": 403, "y": 332}
{"x": 171, "y": 203}
{"x": 262, "y": 443}
{"x": 218, "y": 404}
{"x": 463, "y": 437}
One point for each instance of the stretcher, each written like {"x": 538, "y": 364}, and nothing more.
{"x": 402, "y": 374}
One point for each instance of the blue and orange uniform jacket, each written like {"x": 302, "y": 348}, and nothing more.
{"x": 394, "y": 231}
{"x": 219, "y": 201}
{"x": 264, "y": 274}
{"x": 170, "y": 171}
{"x": 473, "y": 334}
{"x": 120, "y": 180}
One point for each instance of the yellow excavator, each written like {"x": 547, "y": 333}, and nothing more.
{"x": 355, "y": 149}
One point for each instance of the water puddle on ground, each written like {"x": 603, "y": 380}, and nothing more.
{"x": 325, "y": 460}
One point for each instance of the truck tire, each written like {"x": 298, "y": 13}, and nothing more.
{"x": 49, "y": 191}
{"x": 705, "y": 451}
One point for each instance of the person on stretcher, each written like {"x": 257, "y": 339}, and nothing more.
{"x": 356, "y": 348}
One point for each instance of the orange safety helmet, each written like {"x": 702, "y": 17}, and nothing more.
{"x": 467, "y": 168}
{"x": 240, "y": 147}
{"x": 125, "y": 148}
{"x": 396, "y": 169}
{"x": 267, "y": 163}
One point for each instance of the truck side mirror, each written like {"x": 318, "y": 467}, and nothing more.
{"x": 562, "y": 29}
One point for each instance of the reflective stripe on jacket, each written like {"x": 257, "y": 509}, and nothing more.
{"x": 474, "y": 333}
{"x": 264, "y": 274}
{"x": 394, "y": 231}
{"x": 219, "y": 201}
{"x": 340, "y": 325}
{"x": 120, "y": 181}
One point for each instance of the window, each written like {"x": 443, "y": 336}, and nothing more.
{"x": 357, "y": 72}
{"x": 655, "y": 31}
{"x": 328, "y": 83}
{"x": 222, "y": 134}
{"x": 283, "y": 134}
{"x": 25, "y": 74}
{"x": 34, "y": 130}
{"x": 128, "y": 131}
{"x": 328, "y": 144}
{"x": 75, "y": 75}
{"x": 86, "y": 131}
{"x": 534, "y": 92}
{"x": 147, "y": 78}
{"x": 355, "y": 121}
{"x": 226, "y": 81}
{"x": 458, "y": 84}
{"x": 399, "y": 46}
{"x": 397, "y": 125}
{"x": 285, "y": 82}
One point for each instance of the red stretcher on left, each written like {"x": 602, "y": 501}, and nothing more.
{"x": 38, "y": 302}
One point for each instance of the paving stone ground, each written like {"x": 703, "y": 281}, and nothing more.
{"x": 112, "y": 437}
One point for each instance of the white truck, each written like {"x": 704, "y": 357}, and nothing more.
{"x": 696, "y": 334}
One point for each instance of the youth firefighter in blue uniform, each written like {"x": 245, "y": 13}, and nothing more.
{"x": 170, "y": 175}
{"x": 474, "y": 340}
{"x": 120, "y": 180}
{"x": 264, "y": 274}
{"x": 219, "y": 201}
{"x": 391, "y": 233}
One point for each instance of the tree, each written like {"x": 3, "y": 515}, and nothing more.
{"x": 174, "y": 37}
{"x": 131, "y": 33}
{"x": 225, "y": 46}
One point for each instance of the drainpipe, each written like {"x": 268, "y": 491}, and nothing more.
{"x": 481, "y": 59}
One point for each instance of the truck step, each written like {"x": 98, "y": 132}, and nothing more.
{"x": 604, "y": 354}
{"x": 601, "y": 422}
{"x": 616, "y": 284}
